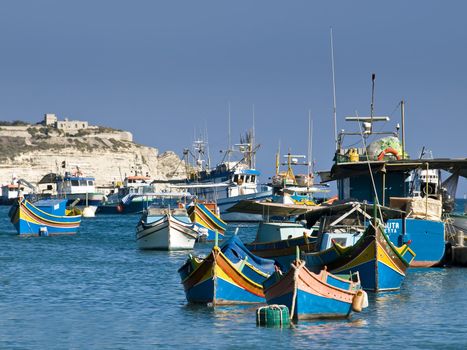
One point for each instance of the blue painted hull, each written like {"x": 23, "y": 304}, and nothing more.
{"x": 221, "y": 292}
{"x": 31, "y": 221}
{"x": 230, "y": 276}
{"x": 309, "y": 306}
{"x": 309, "y": 295}
{"x": 427, "y": 239}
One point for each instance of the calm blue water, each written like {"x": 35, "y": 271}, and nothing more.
{"x": 97, "y": 291}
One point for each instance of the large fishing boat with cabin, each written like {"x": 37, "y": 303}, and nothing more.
{"x": 231, "y": 181}
{"x": 381, "y": 165}
{"x": 79, "y": 190}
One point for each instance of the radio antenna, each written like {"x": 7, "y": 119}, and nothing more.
{"x": 333, "y": 89}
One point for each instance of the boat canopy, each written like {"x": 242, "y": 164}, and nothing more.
{"x": 270, "y": 208}
{"x": 351, "y": 169}
{"x": 341, "y": 208}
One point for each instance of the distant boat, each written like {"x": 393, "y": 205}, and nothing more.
{"x": 77, "y": 189}
{"x": 136, "y": 194}
{"x": 45, "y": 217}
{"x": 10, "y": 192}
{"x": 228, "y": 275}
{"x": 207, "y": 221}
{"x": 165, "y": 229}
{"x": 230, "y": 181}
{"x": 309, "y": 296}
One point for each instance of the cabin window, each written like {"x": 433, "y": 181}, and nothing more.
{"x": 82, "y": 182}
{"x": 253, "y": 178}
{"x": 74, "y": 183}
{"x": 235, "y": 178}
{"x": 90, "y": 183}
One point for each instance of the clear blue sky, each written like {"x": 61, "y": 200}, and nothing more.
{"x": 162, "y": 69}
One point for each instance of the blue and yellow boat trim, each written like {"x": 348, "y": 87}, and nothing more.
{"x": 33, "y": 220}
{"x": 217, "y": 280}
{"x": 203, "y": 217}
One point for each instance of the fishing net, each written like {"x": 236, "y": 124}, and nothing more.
{"x": 377, "y": 147}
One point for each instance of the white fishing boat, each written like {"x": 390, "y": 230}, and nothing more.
{"x": 165, "y": 229}
{"x": 231, "y": 181}
{"x": 79, "y": 190}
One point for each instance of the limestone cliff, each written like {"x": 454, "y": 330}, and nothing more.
{"x": 31, "y": 151}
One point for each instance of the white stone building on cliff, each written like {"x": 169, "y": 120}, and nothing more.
{"x": 51, "y": 119}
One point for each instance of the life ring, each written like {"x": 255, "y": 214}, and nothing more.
{"x": 120, "y": 208}
{"x": 389, "y": 150}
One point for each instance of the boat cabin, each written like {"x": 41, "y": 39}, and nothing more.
{"x": 70, "y": 184}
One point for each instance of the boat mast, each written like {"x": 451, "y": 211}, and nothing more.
{"x": 252, "y": 164}
{"x": 334, "y": 90}
{"x": 310, "y": 149}
{"x": 403, "y": 127}
{"x": 372, "y": 107}
{"x": 230, "y": 142}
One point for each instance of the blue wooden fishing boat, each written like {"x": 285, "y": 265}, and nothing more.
{"x": 228, "y": 275}
{"x": 380, "y": 264}
{"x": 45, "y": 217}
{"x": 310, "y": 296}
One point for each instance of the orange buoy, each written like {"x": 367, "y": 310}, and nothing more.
{"x": 391, "y": 151}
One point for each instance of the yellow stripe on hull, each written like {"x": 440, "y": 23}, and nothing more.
{"x": 385, "y": 259}
{"x": 367, "y": 255}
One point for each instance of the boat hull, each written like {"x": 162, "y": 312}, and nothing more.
{"x": 29, "y": 220}
{"x": 310, "y": 296}
{"x": 427, "y": 239}
{"x": 217, "y": 281}
{"x": 168, "y": 233}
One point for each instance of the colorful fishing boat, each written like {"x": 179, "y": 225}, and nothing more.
{"x": 310, "y": 296}
{"x": 228, "y": 275}
{"x": 46, "y": 217}
{"x": 165, "y": 229}
{"x": 207, "y": 221}
{"x": 381, "y": 265}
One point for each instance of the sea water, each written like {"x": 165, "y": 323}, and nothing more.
{"x": 96, "y": 290}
